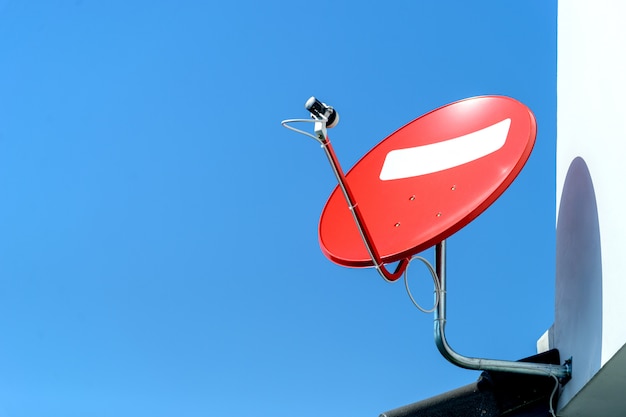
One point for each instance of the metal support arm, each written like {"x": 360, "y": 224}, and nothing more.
{"x": 563, "y": 372}
{"x": 321, "y": 136}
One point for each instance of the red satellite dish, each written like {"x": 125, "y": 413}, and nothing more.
{"x": 429, "y": 179}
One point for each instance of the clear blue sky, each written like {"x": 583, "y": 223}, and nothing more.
{"x": 158, "y": 226}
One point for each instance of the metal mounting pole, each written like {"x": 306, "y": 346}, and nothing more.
{"x": 563, "y": 372}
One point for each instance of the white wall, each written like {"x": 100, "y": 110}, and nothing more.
{"x": 591, "y": 201}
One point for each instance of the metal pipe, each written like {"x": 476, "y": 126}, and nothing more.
{"x": 322, "y": 137}
{"x": 559, "y": 371}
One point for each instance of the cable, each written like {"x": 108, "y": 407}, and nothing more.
{"x": 433, "y": 274}
{"x": 286, "y": 123}
{"x": 556, "y": 386}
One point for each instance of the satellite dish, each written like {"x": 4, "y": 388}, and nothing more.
{"x": 429, "y": 179}
{"x": 421, "y": 184}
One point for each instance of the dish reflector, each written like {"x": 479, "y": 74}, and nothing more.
{"x": 429, "y": 179}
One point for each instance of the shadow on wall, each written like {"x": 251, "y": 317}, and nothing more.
{"x": 578, "y": 299}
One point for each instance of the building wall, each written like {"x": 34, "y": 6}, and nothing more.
{"x": 591, "y": 190}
